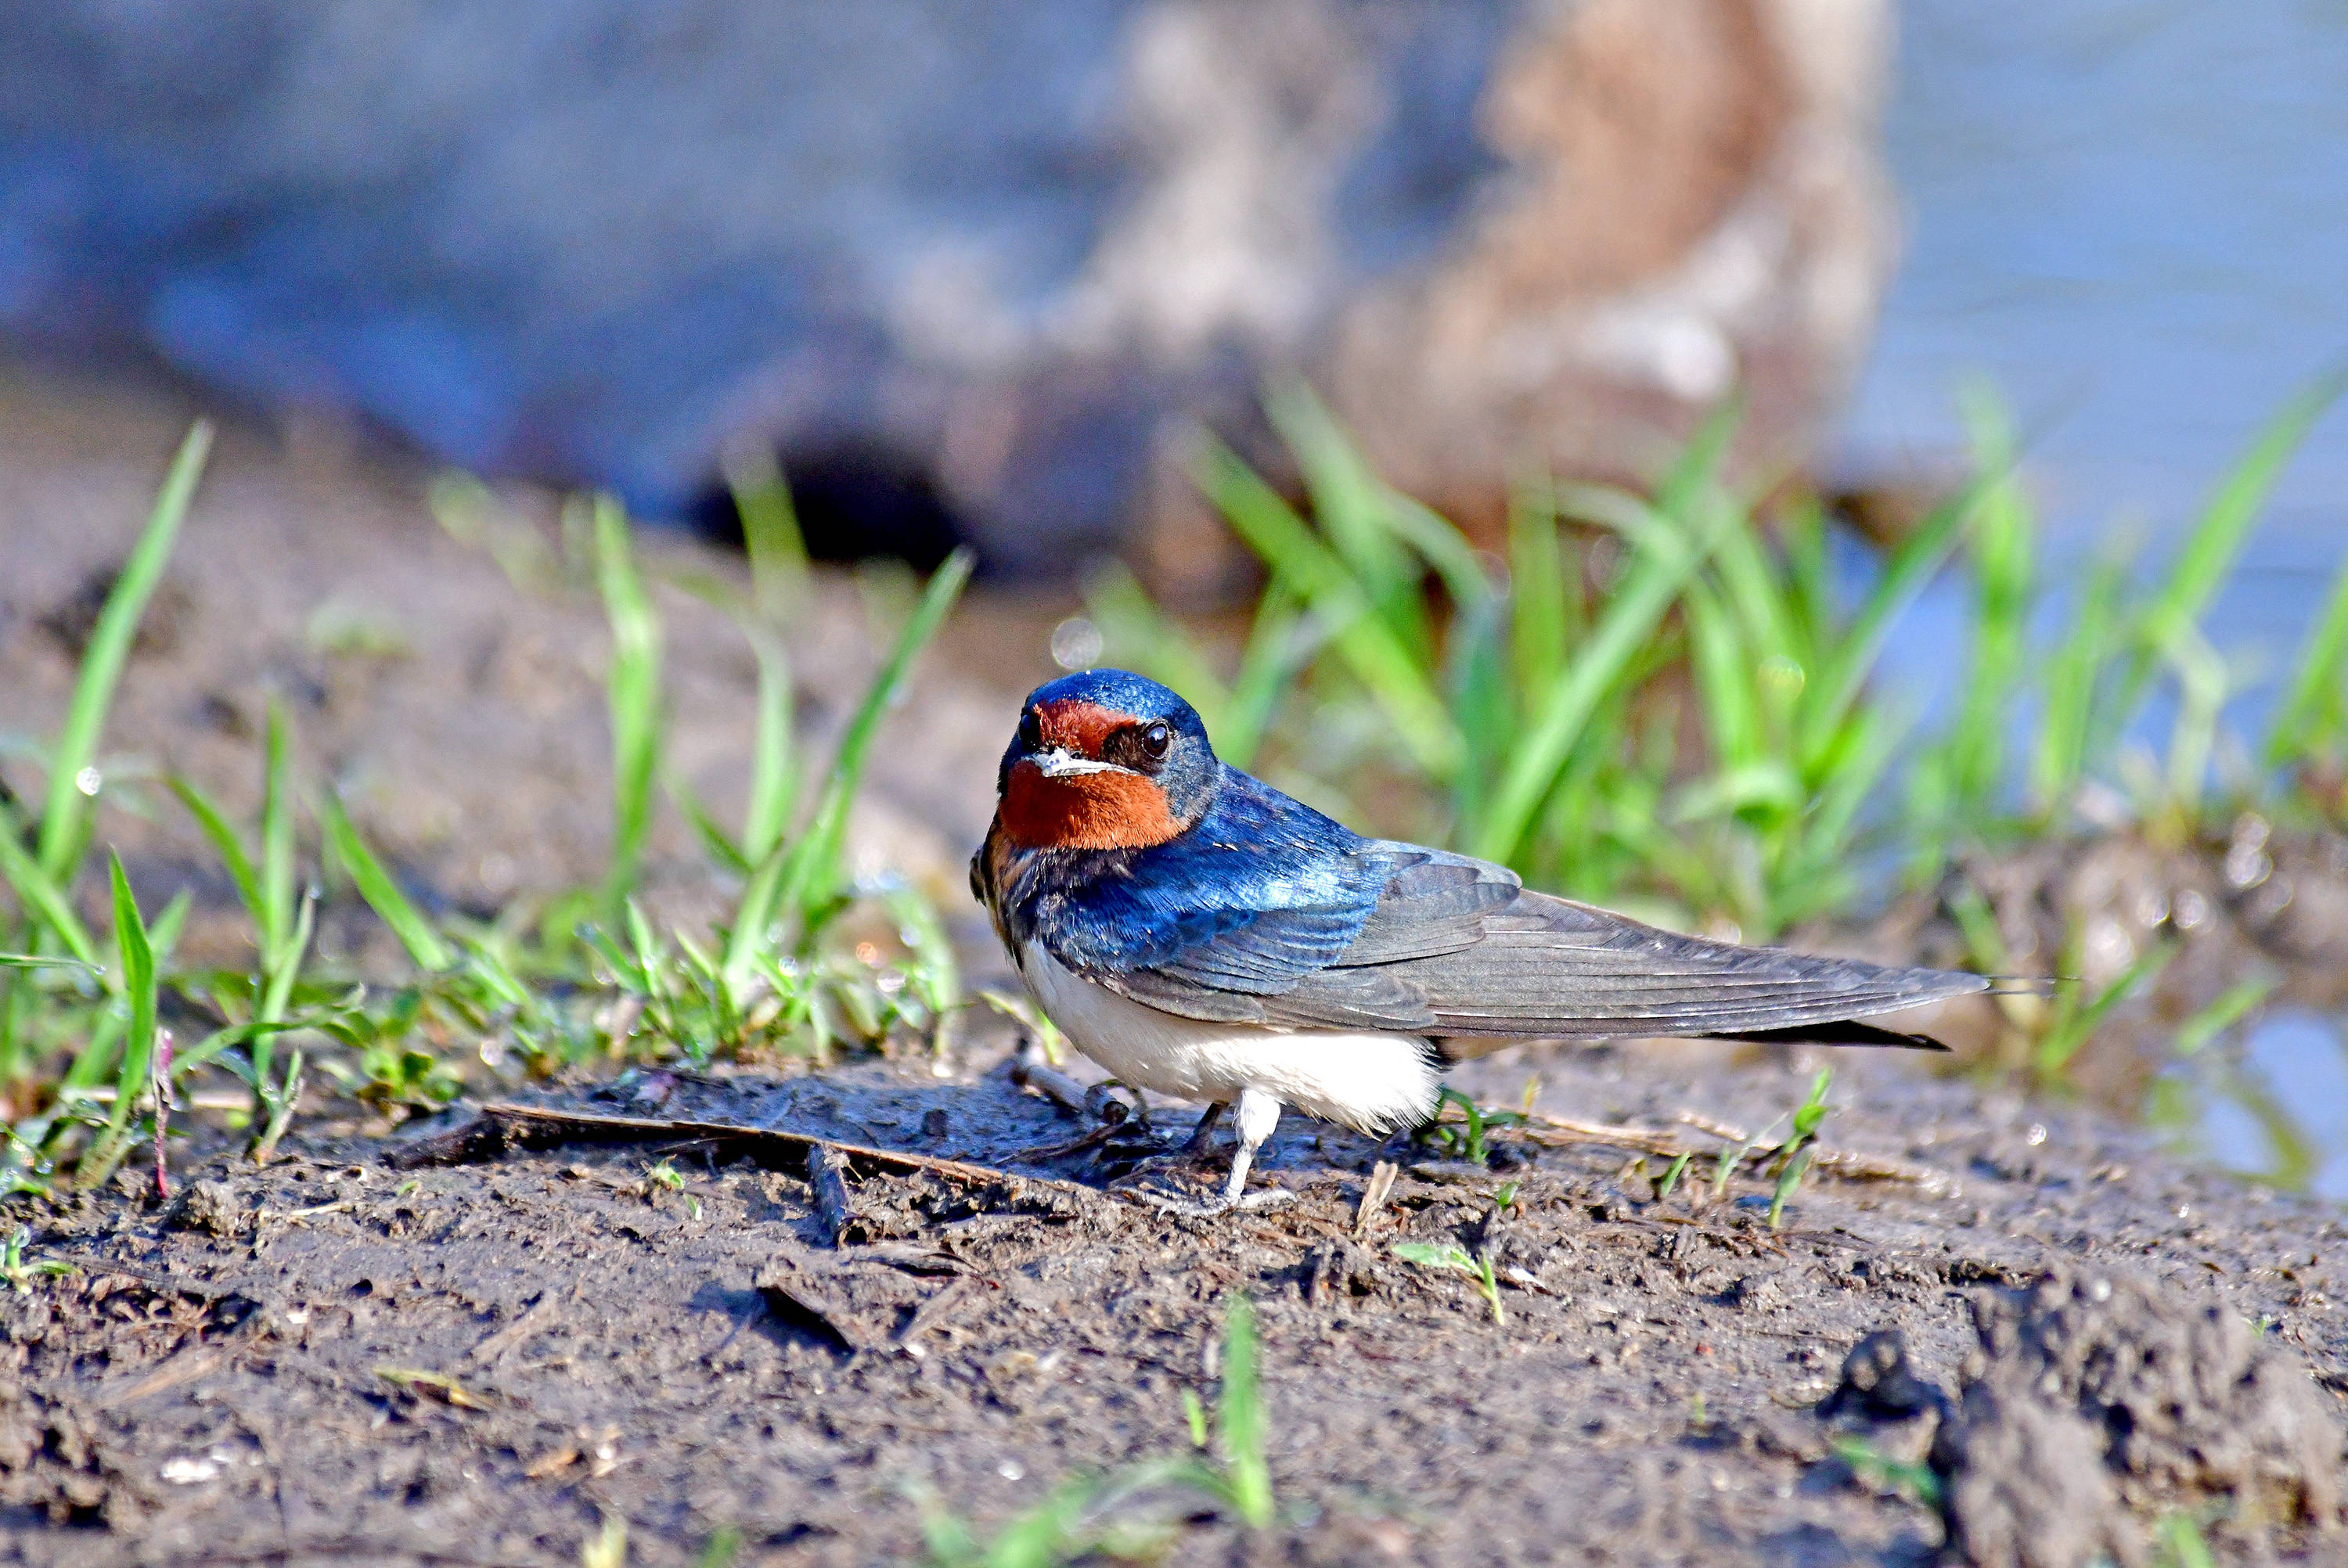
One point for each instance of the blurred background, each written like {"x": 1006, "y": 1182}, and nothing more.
{"x": 1007, "y": 275}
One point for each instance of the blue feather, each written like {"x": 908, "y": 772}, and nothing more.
{"x": 1259, "y": 892}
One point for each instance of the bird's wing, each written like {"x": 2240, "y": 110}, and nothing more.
{"x": 1456, "y": 946}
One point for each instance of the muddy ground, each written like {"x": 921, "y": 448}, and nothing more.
{"x": 341, "y": 1359}
{"x": 225, "y": 1381}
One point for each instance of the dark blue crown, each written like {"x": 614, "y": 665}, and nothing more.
{"x": 1121, "y": 692}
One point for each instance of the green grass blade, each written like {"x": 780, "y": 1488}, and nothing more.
{"x": 382, "y": 893}
{"x": 1275, "y": 649}
{"x": 715, "y": 841}
{"x": 799, "y": 880}
{"x": 1483, "y": 699}
{"x": 1537, "y": 592}
{"x": 754, "y": 915}
{"x": 1439, "y": 540}
{"x": 2210, "y": 549}
{"x": 1349, "y": 503}
{"x": 2067, "y": 725}
{"x": 774, "y": 771}
{"x": 1755, "y": 588}
{"x": 279, "y": 993}
{"x": 139, "y": 990}
{"x": 2063, "y": 1041}
{"x": 2315, "y": 713}
{"x": 1656, "y": 574}
{"x": 163, "y": 933}
{"x": 225, "y": 843}
{"x": 64, "y": 817}
{"x": 1829, "y": 695}
{"x": 2230, "y": 1007}
{"x": 96, "y": 1059}
{"x": 1240, "y": 1416}
{"x": 276, "y": 838}
{"x": 632, "y": 683}
{"x": 38, "y": 895}
{"x": 827, "y": 829}
{"x": 2005, "y": 548}
{"x": 1724, "y": 667}
{"x": 2201, "y": 688}
{"x": 1378, "y": 658}
{"x": 771, "y": 532}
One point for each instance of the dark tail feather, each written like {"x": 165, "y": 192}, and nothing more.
{"x": 1452, "y": 1050}
{"x": 1840, "y": 1032}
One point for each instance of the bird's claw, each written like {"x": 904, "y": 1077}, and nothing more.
{"x": 1208, "y": 1207}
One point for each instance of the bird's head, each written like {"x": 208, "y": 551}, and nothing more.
{"x": 1104, "y": 760}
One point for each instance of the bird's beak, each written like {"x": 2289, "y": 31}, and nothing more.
{"x": 1057, "y": 763}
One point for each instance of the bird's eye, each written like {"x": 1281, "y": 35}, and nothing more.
{"x": 1031, "y": 730}
{"x": 1156, "y": 739}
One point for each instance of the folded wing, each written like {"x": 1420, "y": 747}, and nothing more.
{"x": 1455, "y": 947}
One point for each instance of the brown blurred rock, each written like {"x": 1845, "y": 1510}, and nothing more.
{"x": 1693, "y": 204}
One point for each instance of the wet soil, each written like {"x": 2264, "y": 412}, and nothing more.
{"x": 338, "y": 1358}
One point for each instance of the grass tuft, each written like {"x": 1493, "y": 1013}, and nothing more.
{"x": 1669, "y": 702}
{"x": 534, "y": 990}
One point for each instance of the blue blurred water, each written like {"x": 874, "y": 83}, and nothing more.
{"x": 2131, "y": 216}
{"x": 2134, "y": 218}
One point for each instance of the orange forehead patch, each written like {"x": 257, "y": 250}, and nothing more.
{"x": 1078, "y": 727}
{"x": 1088, "y": 811}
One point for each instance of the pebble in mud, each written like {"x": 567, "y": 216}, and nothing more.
{"x": 1878, "y": 1383}
{"x": 208, "y": 1206}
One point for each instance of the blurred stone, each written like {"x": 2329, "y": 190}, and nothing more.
{"x": 969, "y": 268}
{"x": 1878, "y": 1383}
{"x": 2091, "y": 1390}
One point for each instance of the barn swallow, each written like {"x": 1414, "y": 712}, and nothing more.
{"x": 1202, "y": 934}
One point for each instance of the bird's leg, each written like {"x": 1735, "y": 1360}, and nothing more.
{"x": 1203, "y": 1134}
{"x": 1259, "y": 1115}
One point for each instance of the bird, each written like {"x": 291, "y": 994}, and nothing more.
{"x": 1204, "y": 936}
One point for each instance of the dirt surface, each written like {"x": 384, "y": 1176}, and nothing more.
{"x": 336, "y": 1360}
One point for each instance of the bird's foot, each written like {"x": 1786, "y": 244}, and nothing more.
{"x": 1208, "y": 1207}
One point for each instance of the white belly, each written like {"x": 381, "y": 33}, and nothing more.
{"x": 1372, "y": 1082}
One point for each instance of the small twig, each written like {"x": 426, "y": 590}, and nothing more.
{"x": 831, "y": 1205}
{"x": 158, "y": 1081}
{"x": 1849, "y": 1162}
{"x": 1647, "y": 1140}
{"x": 487, "y": 1352}
{"x": 489, "y": 1132}
{"x": 417, "y": 1382}
{"x": 951, "y": 1299}
{"x": 99, "y": 1268}
{"x": 1374, "y": 1196}
{"x": 1560, "y": 1131}
{"x": 1029, "y": 1072}
{"x": 1104, "y": 1132}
